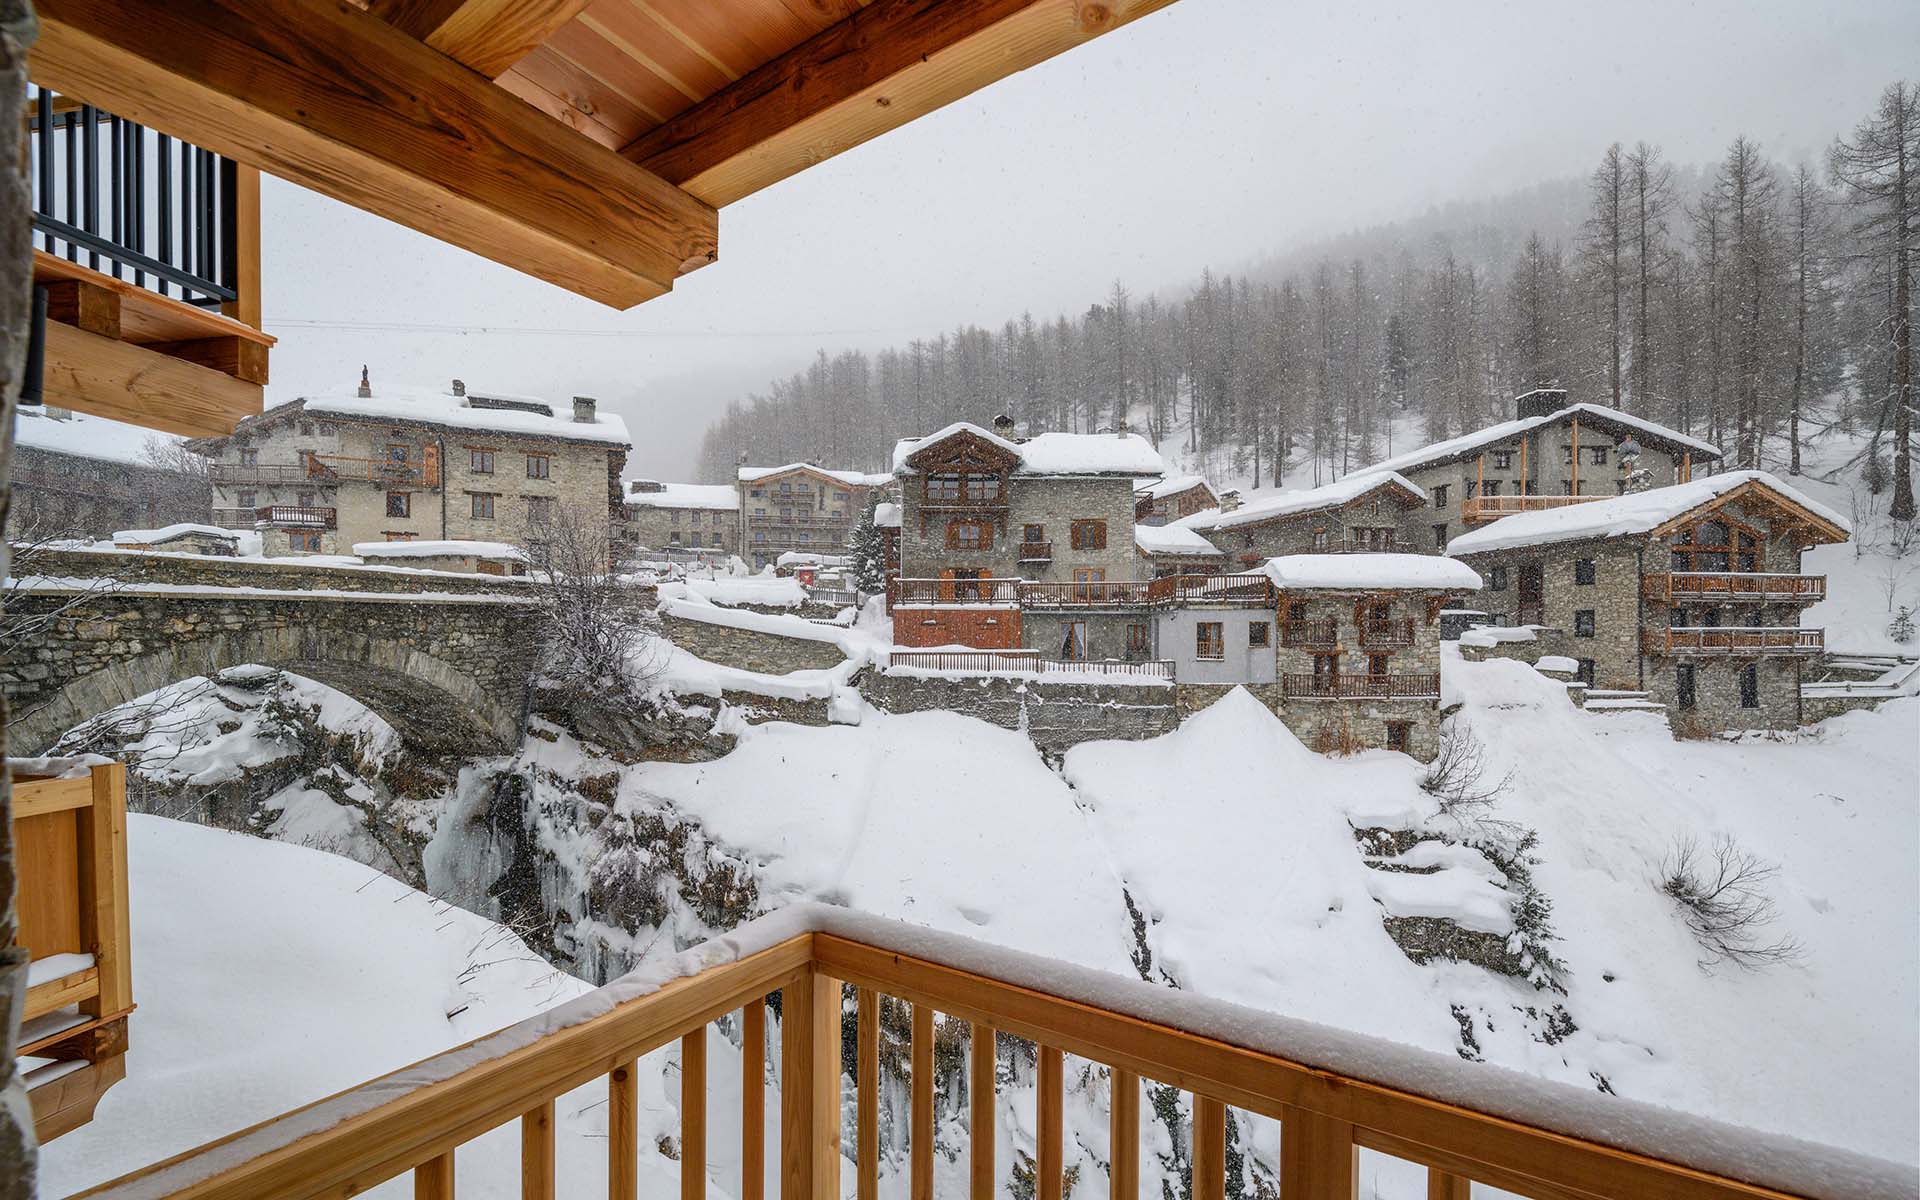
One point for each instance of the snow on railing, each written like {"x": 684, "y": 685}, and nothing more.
{"x": 1026, "y": 662}
{"x": 1332, "y": 1091}
{"x": 1736, "y": 640}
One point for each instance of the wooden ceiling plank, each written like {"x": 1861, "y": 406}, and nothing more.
{"x": 676, "y": 31}
{"x": 573, "y": 98}
{"x": 334, "y": 99}
{"x": 651, "y": 55}
{"x": 488, "y": 36}
{"x": 639, "y": 86}
{"x": 889, "y": 63}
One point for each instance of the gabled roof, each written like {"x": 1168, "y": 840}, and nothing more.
{"x": 1469, "y": 444}
{"x": 1124, "y": 454}
{"x": 1288, "y": 504}
{"x": 478, "y": 412}
{"x": 1652, "y": 512}
{"x": 719, "y": 496}
{"x": 1173, "y": 485}
{"x": 1174, "y": 539}
{"x": 845, "y": 478}
{"x": 1370, "y": 572}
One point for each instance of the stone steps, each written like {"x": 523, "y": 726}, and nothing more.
{"x": 1608, "y": 700}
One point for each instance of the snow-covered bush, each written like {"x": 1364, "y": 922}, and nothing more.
{"x": 1721, "y": 894}
{"x": 1900, "y": 629}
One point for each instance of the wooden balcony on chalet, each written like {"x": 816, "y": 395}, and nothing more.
{"x": 147, "y": 262}
{"x": 280, "y": 516}
{"x": 831, "y": 968}
{"x": 999, "y": 592}
{"x": 1737, "y": 587}
{"x": 1492, "y": 508}
{"x": 1310, "y": 635}
{"x": 1360, "y": 686}
{"x": 70, "y": 844}
{"x": 1036, "y": 552}
{"x": 1736, "y": 641}
{"x": 1387, "y": 632}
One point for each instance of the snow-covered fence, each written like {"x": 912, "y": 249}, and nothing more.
{"x": 1028, "y": 661}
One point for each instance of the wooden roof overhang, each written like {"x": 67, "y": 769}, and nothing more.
{"x": 964, "y": 449}
{"x": 585, "y": 142}
{"x": 1806, "y": 527}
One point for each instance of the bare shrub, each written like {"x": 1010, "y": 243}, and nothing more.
{"x": 1721, "y": 892}
{"x": 597, "y": 624}
{"x": 1460, "y": 778}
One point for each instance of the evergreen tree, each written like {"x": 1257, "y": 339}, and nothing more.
{"x": 867, "y": 546}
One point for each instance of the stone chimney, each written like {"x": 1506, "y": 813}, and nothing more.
{"x": 1229, "y": 499}
{"x": 642, "y": 487}
{"x": 1003, "y": 426}
{"x": 583, "y": 407}
{"x": 1120, "y": 429}
{"x": 1540, "y": 402}
{"x": 365, "y": 391}
{"x": 460, "y": 387}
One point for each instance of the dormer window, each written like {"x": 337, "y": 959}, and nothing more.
{"x": 952, "y": 487}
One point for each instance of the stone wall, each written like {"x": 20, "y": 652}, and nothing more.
{"x": 1329, "y": 726}
{"x": 1055, "y": 716}
{"x": 1051, "y": 503}
{"x": 1716, "y": 690}
{"x": 134, "y": 567}
{"x": 750, "y": 649}
{"x": 1613, "y": 597}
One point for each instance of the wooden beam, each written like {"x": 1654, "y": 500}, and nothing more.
{"x": 981, "y": 1081}
{"x": 1209, "y": 1149}
{"x": 867, "y": 1096}
{"x": 97, "y": 375}
{"x": 1123, "y": 1117}
{"x": 1050, "y": 1161}
{"x": 487, "y": 36}
{"x": 87, "y": 305}
{"x": 920, "y": 1138}
{"x": 693, "y": 1114}
{"x": 887, "y": 64}
{"x": 536, "y": 1153}
{"x": 753, "y": 1099}
{"x": 334, "y": 99}
{"x": 236, "y": 356}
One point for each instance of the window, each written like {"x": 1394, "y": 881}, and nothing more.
{"x": 394, "y": 535}
{"x": 1584, "y": 670}
{"x": 249, "y": 457}
{"x": 756, "y": 493}
{"x": 805, "y": 537}
{"x": 1467, "y": 488}
{"x": 1086, "y": 581}
{"x": 1033, "y": 535}
{"x": 1502, "y": 460}
{"x": 1597, "y": 456}
{"x": 1073, "y": 641}
{"x": 1683, "y": 695}
{"x": 399, "y": 504}
{"x": 537, "y": 467}
{"x": 1750, "y": 686}
{"x": 1397, "y": 734}
{"x": 247, "y": 499}
{"x": 398, "y": 454}
{"x": 1319, "y": 539}
{"x": 943, "y": 488}
{"x": 1258, "y": 633}
{"x": 693, "y": 539}
{"x": 1326, "y": 672}
{"x": 482, "y": 506}
{"x": 1209, "y": 640}
{"x": 481, "y": 461}
{"x": 673, "y": 537}
{"x": 786, "y": 513}
{"x": 1566, "y": 455}
{"x": 328, "y": 429}
{"x": 1439, "y": 495}
{"x": 1139, "y": 642}
{"x": 1440, "y": 536}
{"x": 1497, "y": 578}
{"x": 982, "y": 487}
{"x": 1566, "y": 487}
{"x": 1492, "y": 488}
{"x": 759, "y": 536}
{"x": 839, "y": 497}
{"x": 1089, "y": 535}
{"x": 1378, "y": 664}
{"x": 1583, "y": 622}
{"x": 1583, "y": 571}
{"x": 1374, "y": 537}
{"x": 306, "y": 429}
{"x": 304, "y": 541}
{"x": 969, "y": 535}
{"x": 673, "y": 516}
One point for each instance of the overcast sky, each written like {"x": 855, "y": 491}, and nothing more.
{"x": 1209, "y": 133}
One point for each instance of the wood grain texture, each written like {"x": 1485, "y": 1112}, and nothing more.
{"x": 131, "y": 383}
{"x": 1124, "y": 1133}
{"x": 245, "y": 308}
{"x": 623, "y": 1132}
{"x": 753, "y": 1099}
{"x": 1209, "y": 1149}
{"x": 75, "y": 987}
{"x": 486, "y": 36}
{"x": 243, "y": 359}
{"x": 867, "y": 1096}
{"x": 433, "y": 1179}
{"x": 1050, "y": 1171}
{"x": 981, "y": 1083}
{"x": 693, "y": 1115}
{"x": 920, "y": 1140}
{"x": 147, "y": 316}
{"x": 1318, "y": 1158}
{"x": 105, "y": 918}
{"x": 883, "y": 66}
{"x": 45, "y": 796}
{"x": 67, "y": 1103}
{"x": 335, "y": 99}
{"x": 46, "y": 902}
{"x": 536, "y": 1153}
{"x": 1443, "y": 1186}
{"x": 86, "y": 304}
{"x": 810, "y": 1088}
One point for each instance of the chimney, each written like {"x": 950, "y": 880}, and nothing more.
{"x": 459, "y": 387}
{"x": 1003, "y": 426}
{"x": 1540, "y": 402}
{"x": 1120, "y": 428}
{"x": 583, "y": 407}
{"x": 642, "y": 487}
{"x": 365, "y": 391}
{"x": 1229, "y": 499}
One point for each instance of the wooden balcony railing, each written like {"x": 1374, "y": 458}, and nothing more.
{"x": 966, "y": 660}
{"x": 1332, "y": 1093}
{"x": 1709, "y": 586}
{"x": 1310, "y": 634}
{"x": 1394, "y": 631}
{"x": 1738, "y": 641}
{"x": 1101, "y": 593}
{"x": 1361, "y": 687}
{"x": 997, "y": 592}
{"x": 1385, "y": 544}
{"x": 284, "y": 515}
{"x": 1036, "y": 552}
{"x": 1241, "y": 589}
{"x": 1492, "y": 508}
{"x": 70, "y": 845}
{"x": 372, "y": 470}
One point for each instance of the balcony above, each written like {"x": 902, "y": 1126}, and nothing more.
{"x": 1360, "y": 687}
{"x": 1036, "y": 552}
{"x": 1492, "y": 508}
{"x": 1737, "y": 641}
{"x": 1392, "y": 632}
{"x": 1310, "y": 635}
{"x": 1681, "y": 587}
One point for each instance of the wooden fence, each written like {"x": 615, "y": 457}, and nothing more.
{"x": 1345, "y": 686}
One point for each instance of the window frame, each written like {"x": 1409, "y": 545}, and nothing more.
{"x": 1218, "y": 641}
{"x": 1585, "y": 622}
{"x": 479, "y": 460}
{"x": 1497, "y": 579}
{"x": 478, "y": 502}
{"x": 404, "y": 508}
{"x": 1088, "y": 533}
{"x": 546, "y": 466}
{"x": 1259, "y": 635}
{"x": 303, "y": 541}
{"x": 982, "y": 541}
{"x": 1585, "y": 574}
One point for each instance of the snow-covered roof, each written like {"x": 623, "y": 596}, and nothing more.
{"x": 1392, "y": 572}
{"x": 1468, "y": 442}
{"x": 850, "y": 478}
{"x": 167, "y": 533}
{"x": 807, "y": 558}
{"x": 1332, "y": 495}
{"x": 886, "y": 515}
{"x": 688, "y": 495}
{"x": 84, "y": 434}
{"x": 1172, "y": 485}
{"x": 1174, "y": 539}
{"x": 448, "y": 549}
{"x": 1623, "y": 516}
{"x": 1052, "y": 453}
{"x": 431, "y": 406}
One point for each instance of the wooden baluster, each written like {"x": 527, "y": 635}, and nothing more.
{"x": 1209, "y": 1149}
{"x": 1124, "y": 1102}
{"x": 1318, "y": 1160}
{"x": 810, "y": 1088}
{"x": 753, "y": 1100}
{"x": 980, "y": 1115}
{"x": 693, "y": 1115}
{"x": 433, "y": 1179}
{"x": 1052, "y": 1161}
{"x": 623, "y": 1132}
{"x": 867, "y": 1092}
{"x": 1442, "y": 1186}
{"x": 920, "y": 1141}
{"x": 536, "y": 1153}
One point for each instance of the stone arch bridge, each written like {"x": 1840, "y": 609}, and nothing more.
{"x": 444, "y": 659}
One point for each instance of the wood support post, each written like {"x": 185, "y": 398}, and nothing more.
{"x": 980, "y": 1112}
{"x": 920, "y": 1141}
{"x": 693, "y": 1115}
{"x": 1052, "y": 1161}
{"x": 1209, "y": 1149}
{"x": 1576, "y": 456}
{"x": 433, "y": 1179}
{"x": 1444, "y": 1186}
{"x": 105, "y": 927}
{"x": 753, "y": 1100}
{"x": 536, "y": 1153}
{"x": 246, "y": 240}
{"x": 867, "y": 1093}
{"x": 1318, "y": 1160}
{"x": 86, "y": 305}
{"x": 623, "y": 1133}
{"x": 1123, "y": 1102}
{"x": 810, "y": 1088}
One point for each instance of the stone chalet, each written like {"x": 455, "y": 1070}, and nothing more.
{"x": 799, "y": 507}
{"x": 1552, "y": 455}
{"x": 80, "y": 475}
{"x": 1172, "y": 497}
{"x": 1363, "y": 512}
{"x": 322, "y": 473}
{"x": 683, "y": 516}
{"x": 1690, "y": 593}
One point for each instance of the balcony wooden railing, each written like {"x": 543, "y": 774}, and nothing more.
{"x": 1306, "y": 634}
{"x": 1709, "y": 586}
{"x": 373, "y": 470}
{"x": 1393, "y": 631}
{"x": 997, "y": 592}
{"x": 1361, "y": 687}
{"x": 70, "y": 844}
{"x": 1239, "y": 589}
{"x": 1332, "y": 1093}
{"x": 1036, "y": 552}
{"x": 1087, "y": 593}
{"x": 1738, "y": 641}
{"x": 966, "y": 660}
{"x": 285, "y": 515}
{"x": 1492, "y": 508}
{"x": 1385, "y": 544}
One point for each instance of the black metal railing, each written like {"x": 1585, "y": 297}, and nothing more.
{"x": 131, "y": 202}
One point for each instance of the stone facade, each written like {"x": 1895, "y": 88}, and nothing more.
{"x": 799, "y": 507}
{"x": 1056, "y": 716}
{"x": 1361, "y": 636}
{"x": 677, "y": 516}
{"x": 1371, "y": 522}
{"x": 1613, "y": 597}
{"x": 751, "y": 649}
{"x": 56, "y": 494}
{"x": 1044, "y": 506}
